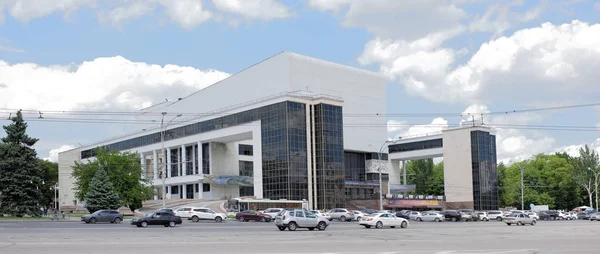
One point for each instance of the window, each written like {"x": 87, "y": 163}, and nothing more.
{"x": 299, "y": 214}
{"x": 421, "y": 145}
{"x": 205, "y": 187}
{"x": 246, "y": 168}
{"x": 245, "y": 150}
{"x": 310, "y": 215}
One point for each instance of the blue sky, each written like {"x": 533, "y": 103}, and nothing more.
{"x": 441, "y": 56}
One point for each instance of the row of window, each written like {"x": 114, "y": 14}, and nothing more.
{"x": 420, "y": 145}
{"x": 485, "y": 175}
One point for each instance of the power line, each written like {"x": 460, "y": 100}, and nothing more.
{"x": 374, "y": 114}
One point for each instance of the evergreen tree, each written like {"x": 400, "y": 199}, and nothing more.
{"x": 101, "y": 194}
{"x": 20, "y": 174}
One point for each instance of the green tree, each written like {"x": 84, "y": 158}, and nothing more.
{"x": 101, "y": 195}
{"x": 586, "y": 168}
{"x": 124, "y": 172}
{"x": 428, "y": 178}
{"x": 20, "y": 175}
{"x": 49, "y": 174}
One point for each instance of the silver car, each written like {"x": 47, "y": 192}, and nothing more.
{"x": 298, "y": 218}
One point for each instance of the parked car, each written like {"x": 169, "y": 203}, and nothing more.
{"x": 325, "y": 215}
{"x": 550, "y": 215}
{"x": 482, "y": 216}
{"x": 203, "y": 213}
{"x": 495, "y": 215}
{"x": 368, "y": 211}
{"x": 166, "y": 219}
{"x": 594, "y": 216}
{"x": 111, "y": 216}
{"x": 413, "y": 215}
{"x": 380, "y": 220}
{"x": 249, "y": 215}
{"x": 272, "y": 211}
{"x": 519, "y": 219}
{"x": 431, "y": 216}
{"x": 466, "y": 216}
{"x": 533, "y": 215}
{"x": 570, "y": 216}
{"x": 452, "y": 215}
{"x": 341, "y": 214}
{"x": 403, "y": 214}
{"x": 357, "y": 215}
{"x": 298, "y": 218}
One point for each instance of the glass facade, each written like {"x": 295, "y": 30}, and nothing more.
{"x": 175, "y": 162}
{"x": 485, "y": 174}
{"x": 329, "y": 151}
{"x": 206, "y": 158}
{"x": 246, "y": 169}
{"x": 354, "y": 166}
{"x": 189, "y": 160}
{"x": 427, "y": 144}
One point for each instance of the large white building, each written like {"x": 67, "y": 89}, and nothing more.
{"x": 280, "y": 129}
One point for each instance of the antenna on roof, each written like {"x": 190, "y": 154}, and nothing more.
{"x": 9, "y": 116}
{"x": 167, "y": 100}
{"x": 40, "y": 117}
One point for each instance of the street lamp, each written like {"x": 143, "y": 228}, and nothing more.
{"x": 379, "y": 170}
{"x": 56, "y": 196}
{"x": 162, "y": 142}
{"x": 522, "y": 188}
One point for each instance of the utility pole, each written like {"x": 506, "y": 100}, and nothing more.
{"x": 379, "y": 168}
{"x": 522, "y": 189}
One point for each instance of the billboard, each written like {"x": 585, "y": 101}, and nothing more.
{"x": 373, "y": 166}
{"x": 393, "y": 203}
{"x": 230, "y": 180}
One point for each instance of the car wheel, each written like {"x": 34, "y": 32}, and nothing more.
{"x": 218, "y": 219}
{"x": 437, "y": 220}
{"x": 343, "y": 219}
{"x": 499, "y": 218}
{"x": 533, "y": 223}
{"x": 172, "y": 224}
{"x": 281, "y": 228}
{"x": 93, "y": 220}
{"x": 358, "y": 218}
{"x": 195, "y": 219}
{"x": 419, "y": 219}
{"x": 519, "y": 223}
{"x": 262, "y": 219}
{"x": 367, "y": 226}
{"x": 117, "y": 220}
{"x": 166, "y": 225}
{"x": 404, "y": 224}
{"x": 321, "y": 226}
{"x": 453, "y": 219}
{"x": 311, "y": 229}
{"x": 379, "y": 224}
{"x": 242, "y": 219}
{"x": 508, "y": 224}
{"x": 292, "y": 226}
{"x": 144, "y": 224}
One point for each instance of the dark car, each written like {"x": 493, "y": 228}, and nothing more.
{"x": 403, "y": 214}
{"x": 452, "y": 215}
{"x": 166, "y": 219}
{"x": 249, "y": 215}
{"x": 550, "y": 215}
{"x": 103, "y": 216}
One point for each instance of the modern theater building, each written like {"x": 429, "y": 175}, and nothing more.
{"x": 290, "y": 127}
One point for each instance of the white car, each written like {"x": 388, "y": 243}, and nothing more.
{"x": 380, "y": 220}
{"x": 430, "y": 216}
{"x": 272, "y": 211}
{"x": 570, "y": 216}
{"x": 533, "y": 215}
{"x": 358, "y": 215}
{"x": 196, "y": 214}
{"x": 322, "y": 214}
{"x": 413, "y": 215}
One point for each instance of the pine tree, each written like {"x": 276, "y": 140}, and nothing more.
{"x": 20, "y": 174}
{"x": 101, "y": 194}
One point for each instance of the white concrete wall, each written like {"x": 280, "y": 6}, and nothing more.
{"x": 224, "y": 158}
{"x": 458, "y": 176}
{"x": 220, "y": 191}
{"x": 66, "y": 182}
{"x": 363, "y": 93}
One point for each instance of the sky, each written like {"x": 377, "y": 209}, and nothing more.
{"x": 443, "y": 58}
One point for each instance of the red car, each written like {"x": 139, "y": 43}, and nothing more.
{"x": 249, "y": 215}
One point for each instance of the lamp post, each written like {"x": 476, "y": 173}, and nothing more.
{"x": 379, "y": 170}
{"x": 56, "y": 196}
{"x": 162, "y": 142}
{"x": 522, "y": 189}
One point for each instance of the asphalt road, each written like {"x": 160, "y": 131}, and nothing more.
{"x": 265, "y": 238}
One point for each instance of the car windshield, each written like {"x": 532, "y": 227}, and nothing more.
{"x": 150, "y": 215}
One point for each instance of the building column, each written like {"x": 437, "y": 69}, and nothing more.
{"x": 169, "y": 164}
{"x": 156, "y": 193}
{"x": 193, "y": 160}
{"x": 155, "y": 164}
{"x": 183, "y": 161}
{"x": 257, "y": 161}
{"x": 169, "y": 192}
{"x": 210, "y": 158}
{"x": 404, "y": 175}
{"x": 143, "y": 164}
{"x": 394, "y": 173}
{"x": 184, "y": 191}
{"x": 200, "y": 190}
{"x": 200, "y": 162}
{"x": 309, "y": 163}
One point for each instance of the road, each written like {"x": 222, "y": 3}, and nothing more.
{"x": 264, "y": 238}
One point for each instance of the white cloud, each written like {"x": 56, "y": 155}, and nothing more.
{"x": 53, "y": 154}
{"x": 552, "y": 62}
{"x": 26, "y": 10}
{"x": 394, "y": 126}
{"x": 186, "y": 13}
{"x": 573, "y": 150}
{"x": 500, "y": 16}
{"x": 435, "y": 127}
{"x": 397, "y": 19}
{"x": 122, "y": 14}
{"x": 100, "y": 84}
{"x": 254, "y": 9}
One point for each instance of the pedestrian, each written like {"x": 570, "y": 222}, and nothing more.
{"x": 45, "y": 211}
